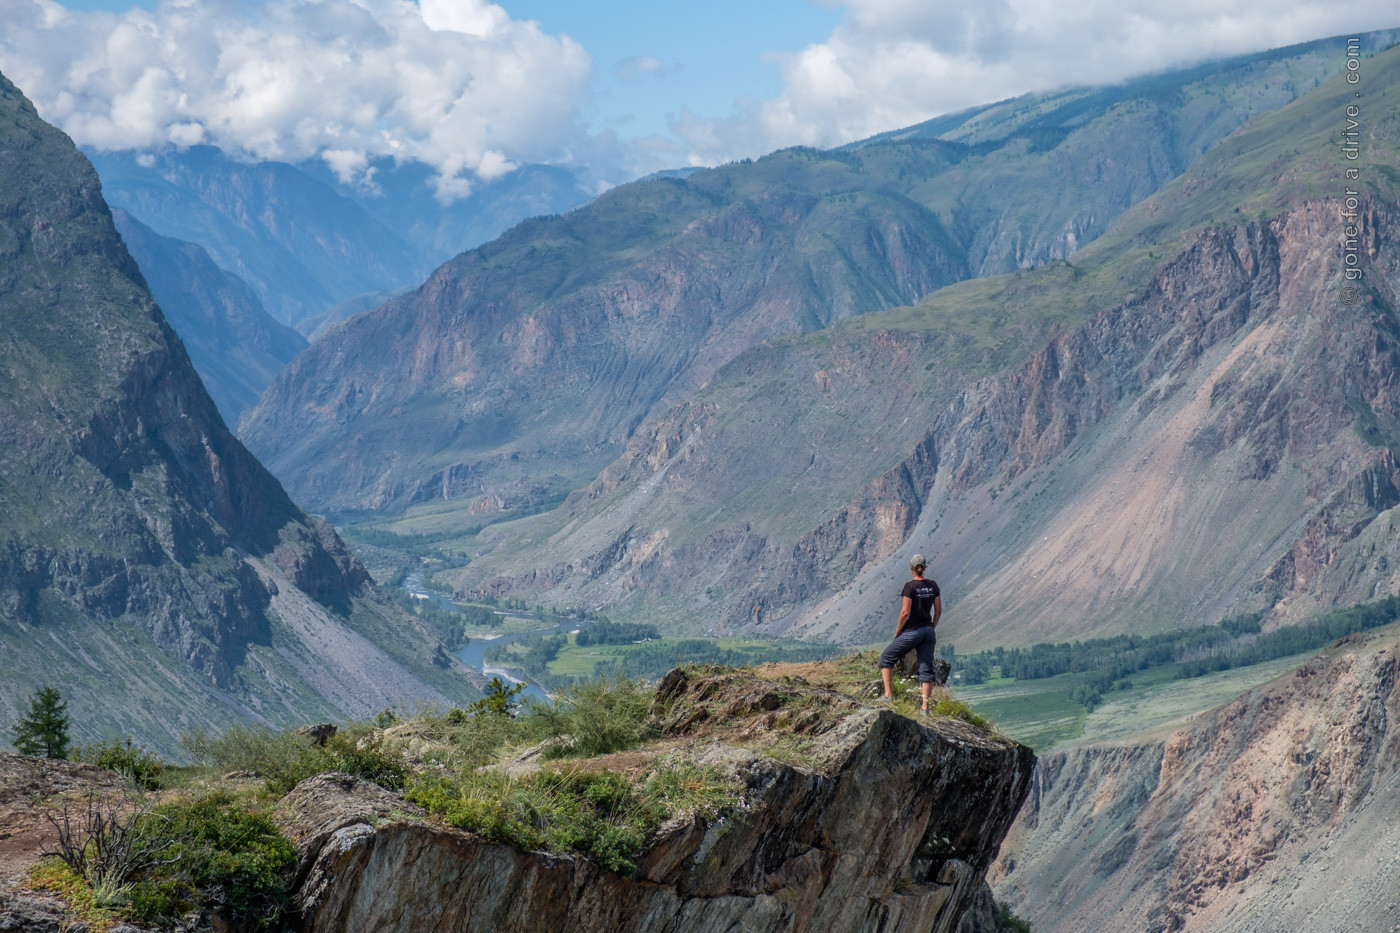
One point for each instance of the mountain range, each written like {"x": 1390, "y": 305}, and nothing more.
{"x": 150, "y": 567}
{"x": 1053, "y": 344}
{"x": 308, "y": 244}
{"x": 1116, "y": 360}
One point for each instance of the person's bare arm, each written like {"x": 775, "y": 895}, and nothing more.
{"x": 904, "y": 610}
{"x": 937, "y": 609}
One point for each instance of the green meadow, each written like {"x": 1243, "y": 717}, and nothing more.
{"x": 1040, "y": 713}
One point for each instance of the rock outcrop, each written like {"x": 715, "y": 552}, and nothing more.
{"x": 1277, "y": 812}
{"x": 883, "y": 824}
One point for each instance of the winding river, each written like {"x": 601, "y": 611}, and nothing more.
{"x": 474, "y": 650}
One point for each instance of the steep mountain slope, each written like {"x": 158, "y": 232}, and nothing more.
{"x": 236, "y": 347}
{"x": 1276, "y": 812}
{"x": 149, "y": 566}
{"x": 1193, "y": 419}
{"x": 529, "y": 382}
{"x": 525, "y": 365}
{"x": 1101, "y": 150}
{"x": 301, "y": 246}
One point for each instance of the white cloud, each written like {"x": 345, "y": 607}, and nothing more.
{"x": 461, "y": 86}
{"x": 639, "y": 67}
{"x": 456, "y": 84}
{"x": 893, "y": 63}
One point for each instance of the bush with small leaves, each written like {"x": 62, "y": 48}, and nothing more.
{"x": 139, "y": 765}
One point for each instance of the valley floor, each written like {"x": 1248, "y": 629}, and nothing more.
{"x": 1042, "y": 714}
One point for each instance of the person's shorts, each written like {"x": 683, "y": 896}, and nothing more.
{"x": 919, "y": 639}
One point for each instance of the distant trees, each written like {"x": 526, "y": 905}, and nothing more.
{"x": 44, "y": 729}
{"x": 539, "y": 651}
{"x": 615, "y": 633}
{"x": 449, "y": 625}
{"x": 1237, "y": 641}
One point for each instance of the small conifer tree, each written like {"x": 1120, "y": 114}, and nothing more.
{"x": 44, "y": 730}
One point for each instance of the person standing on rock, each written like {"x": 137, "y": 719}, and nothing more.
{"x": 918, "y": 617}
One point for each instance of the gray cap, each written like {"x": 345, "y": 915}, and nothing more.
{"x": 917, "y": 561}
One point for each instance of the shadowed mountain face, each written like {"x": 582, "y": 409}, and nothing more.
{"x": 236, "y": 347}
{"x": 149, "y": 565}
{"x": 302, "y": 247}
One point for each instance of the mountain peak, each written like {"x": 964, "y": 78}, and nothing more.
{"x": 136, "y": 527}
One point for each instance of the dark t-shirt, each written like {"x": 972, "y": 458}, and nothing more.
{"x": 921, "y": 595}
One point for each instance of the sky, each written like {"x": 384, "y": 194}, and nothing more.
{"x": 613, "y": 90}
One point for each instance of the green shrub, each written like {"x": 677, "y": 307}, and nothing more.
{"x": 594, "y": 718}
{"x": 156, "y": 863}
{"x": 1009, "y": 922}
{"x": 951, "y": 707}
{"x": 243, "y": 748}
{"x": 238, "y": 854}
{"x": 681, "y": 786}
{"x": 476, "y": 740}
{"x": 136, "y": 762}
{"x": 284, "y": 759}
{"x": 227, "y": 856}
{"x": 368, "y": 759}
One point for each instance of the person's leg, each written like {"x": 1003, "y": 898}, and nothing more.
{"x": 928, "y": 642}
{"x": 891, "y": 655}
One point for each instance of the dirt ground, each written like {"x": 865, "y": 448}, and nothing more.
{"x": 29, "y": 787}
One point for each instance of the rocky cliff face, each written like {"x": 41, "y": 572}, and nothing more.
{"x": 526, "y": 366}
{"x": 148, "y": 563}
{"x": 887, "y": 824}
{"x": 1274, "y": 813}
{"x": 1189, "y": 421}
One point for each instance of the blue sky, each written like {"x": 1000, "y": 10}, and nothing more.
{"x": 612, "y": 90}
{"x": 703, "y": 61}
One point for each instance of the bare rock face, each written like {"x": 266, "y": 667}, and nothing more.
{"x": 148, "y": 563}
{"x": 1276, "y": 812}
{"x": 892, "y": 826}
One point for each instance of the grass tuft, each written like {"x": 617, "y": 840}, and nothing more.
{"x": 603, "y": 814}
